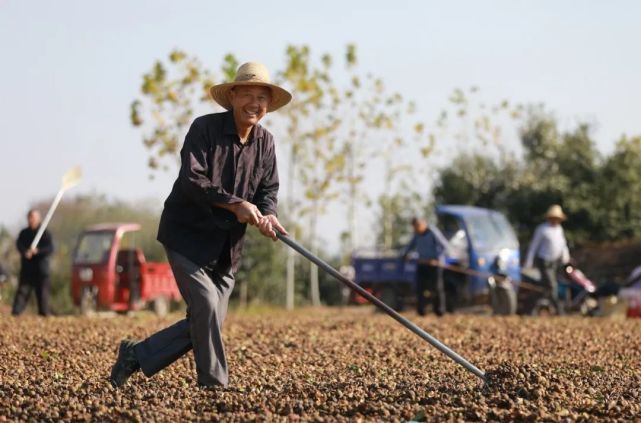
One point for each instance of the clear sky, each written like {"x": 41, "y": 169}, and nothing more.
{"x": 70, "y": 69}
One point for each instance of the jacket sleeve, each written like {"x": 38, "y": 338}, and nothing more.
{"x": 195, "y": 170}
{"x": 266, "y": 197}
{"x": 565, "y": 255}
{"x": 534, "y": 247}
{"x": 409, "y": 247}
{"x": 45, "y": 245}
{"x": 21, "y": 245}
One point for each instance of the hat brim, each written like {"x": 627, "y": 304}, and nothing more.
{"x": 220, "y": 94}
{"x": 562, "y": 216}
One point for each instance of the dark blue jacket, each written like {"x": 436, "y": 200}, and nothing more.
{"x": 429, "y": 245}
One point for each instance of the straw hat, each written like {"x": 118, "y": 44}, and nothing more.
{"x": 251, "y": 74}
{"x": 555, "y": 212}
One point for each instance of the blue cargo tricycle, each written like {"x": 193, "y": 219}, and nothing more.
{"x": 481, "y": 265}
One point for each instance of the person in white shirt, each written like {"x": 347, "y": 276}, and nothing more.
{"x": 548, "y": 251}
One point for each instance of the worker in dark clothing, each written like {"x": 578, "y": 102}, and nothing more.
{"x": 34, "y": 269}
{"x": 228, "y": 179}
{"x": 429, "y": 243}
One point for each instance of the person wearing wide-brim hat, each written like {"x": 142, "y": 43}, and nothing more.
{"x": 548, "y": 251}
{"x": 228, "y": 178}
{"x": 251, "y": 75}
{"x": 555, "y": 214}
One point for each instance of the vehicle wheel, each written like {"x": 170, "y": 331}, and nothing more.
{"x": 160, "y": 306}
{"x": 543, "y": 307}
{"x": 503, "y": 299}
{"x": 390, "y": 296}
{"x": 88, "y": 301}
{"x": 589, "y": 306}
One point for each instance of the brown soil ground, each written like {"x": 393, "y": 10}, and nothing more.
{"x": 331, "y": 364}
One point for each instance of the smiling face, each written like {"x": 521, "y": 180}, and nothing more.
{"x": 249, "y": 104}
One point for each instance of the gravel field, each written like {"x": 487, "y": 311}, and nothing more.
{"x": 331, "y": 364}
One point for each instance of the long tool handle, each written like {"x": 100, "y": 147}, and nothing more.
{"x": 471, "y": 272}
{"x": 69, "y": 179}
{"x": 381, "y": 305}
{"x": 47, "y": 218}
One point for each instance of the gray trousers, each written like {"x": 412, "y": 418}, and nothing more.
{"x": 549, "y": 270}
{"x": 206, "y": 292}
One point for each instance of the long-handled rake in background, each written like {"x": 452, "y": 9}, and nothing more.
{"x": 70, "y": 179}
{"x": 381, "y": 305}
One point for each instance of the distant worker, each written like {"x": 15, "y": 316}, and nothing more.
{"x": 548, "y": 251}
{"x": 430, "y": 244}
{"x": 34, "y": 266}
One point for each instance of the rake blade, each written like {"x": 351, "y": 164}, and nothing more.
{"x": 71, "y": 178}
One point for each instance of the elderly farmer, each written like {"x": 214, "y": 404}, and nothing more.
{"x": 227, "y": 179}
{"x": 548, "y": 251}
{"x": 429, "y": 243}
{"x": 34, "y": 266}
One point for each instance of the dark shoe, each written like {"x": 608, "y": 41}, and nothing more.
{"x": 126, "y": 364}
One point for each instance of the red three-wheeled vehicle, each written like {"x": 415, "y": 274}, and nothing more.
{"x": 109, "y": 272}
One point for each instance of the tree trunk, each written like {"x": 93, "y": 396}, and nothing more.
{"x": 291, "y": 261}
{"x": 387, "y": 224}
{"x": 313, "y": 270}
{"x": 351, "y": 207}
{"x": 291, "y": 254}
{"x": 387, "y": 208}
{"x": 243, "y": 295}
{"x": 313, "y": 277}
